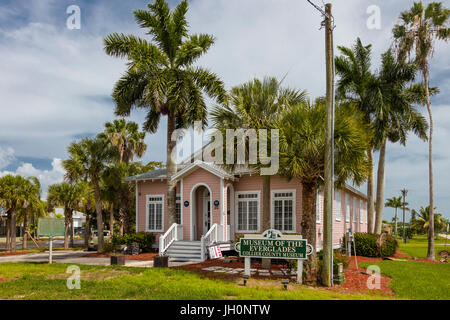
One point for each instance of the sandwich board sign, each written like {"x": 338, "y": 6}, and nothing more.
{"x": 215, "y": 252}
{"x": 273, "y": 244}
{"x": 51, "y": 227}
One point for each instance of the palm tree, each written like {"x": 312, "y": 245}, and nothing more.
{"x": 256, "y": 105}
{"x": 87, "y": 161}
{"x": 387, "y": 104}
{"x": 422, "y": 222}
{"x": 87, "y": 203}
{"x": 126, "y": 137}
{"x": 355, "y": 84}
{"x": 395, "y": 115}
{"x": 12, "y": 199}
{"x": 68, "y": 196}
{"x": 129, "y": 141}
{"x": 394, "y": 202}
{"x": 417, "y": 33}
{"x": 33, "y": 207}
{"x": 161, "y": 77}
{"x": 302, "y": 149}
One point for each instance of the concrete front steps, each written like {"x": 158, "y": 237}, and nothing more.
{"x": 185, "y": 251}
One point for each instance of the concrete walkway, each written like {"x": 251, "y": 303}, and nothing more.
{"x": 77, "y": 257}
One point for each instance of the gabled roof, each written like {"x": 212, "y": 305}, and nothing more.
{"x": 210, "y": 167}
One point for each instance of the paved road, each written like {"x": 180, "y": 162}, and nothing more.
{"x": 44, "y": 244}
{"x": 77, "y": 257}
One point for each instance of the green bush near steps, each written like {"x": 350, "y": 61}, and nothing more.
{"x": 145, "y": 240}
{"x": 367, "y": 245}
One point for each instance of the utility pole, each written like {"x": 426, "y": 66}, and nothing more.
{"x": 328, "y": 24}
{"x": 404, "y": 193}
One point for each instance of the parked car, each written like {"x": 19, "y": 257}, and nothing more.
{"x": 93, "y": 239}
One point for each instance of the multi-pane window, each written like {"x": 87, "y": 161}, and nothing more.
{"x": 355, "y": 211}
{"x": 155, "y": 207}
{"x": 178, "y": 210}
{"x": 283, "y": 211}
{"x": 338, "y": 204}
{"x": 347, "y": 208}
{"x": 247, "y": 211}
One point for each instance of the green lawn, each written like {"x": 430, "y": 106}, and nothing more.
{"x": 42, "y": 281}
{"x": 416, "y": 280}
{"x": 417, "y": 246}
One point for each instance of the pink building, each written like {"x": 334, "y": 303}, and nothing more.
{"x": 215, "y": 205}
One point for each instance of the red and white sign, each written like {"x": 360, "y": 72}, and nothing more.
{"x": 215, "y": 252}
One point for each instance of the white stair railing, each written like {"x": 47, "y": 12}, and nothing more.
{"x": 209, "y": 238}
{"x": 171, "y": 235}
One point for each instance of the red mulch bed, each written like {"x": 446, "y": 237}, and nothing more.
{"x": 15, "y": 253}
{"x": 356, "y": 279}
{"x": 140, "y": 257}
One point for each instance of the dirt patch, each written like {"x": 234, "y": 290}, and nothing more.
{"x": 426, "y": 260}
{"x": 139, "y": 257}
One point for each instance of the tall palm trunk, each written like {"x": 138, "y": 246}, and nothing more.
{"x": 25, "y": 231}
{"x": 87, "y": 229}
{"x": 380, "y": 188}
{"x": 171, "y": 169}
{"x": 66, "y": 227}
{"x": 266, "y": 213}
{"x": 98, "y": 210}
{"x": 13, "y": 230}
{"x": 430, "y": 251}
{"x": 396, "y": 223}
{"x": 8, "y": 231}
{"x": 309, "y": 192}
{"x": 370, "y": 194}
{"x": 71, "y": 228}
{"x": 111, "y": 219}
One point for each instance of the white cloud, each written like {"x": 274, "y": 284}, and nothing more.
{"x": 6, "y": 157}
{"x": 46, "y": 177}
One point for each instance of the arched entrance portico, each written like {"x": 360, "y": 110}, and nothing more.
{"x": 201, "y": 210}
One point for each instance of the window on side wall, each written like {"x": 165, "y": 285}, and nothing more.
{"x": 318, "y": 205}
{"x": 338, "y": 205}
{"x": 178, "y": 210}
{"x": 155, "y": 213}
{"x": 361, "y": 211}
{"x": 347, "y": 208}
{"x": 355, "y": 211}
{"x": 283, "y": 210}
{"x": 247, "y": 204}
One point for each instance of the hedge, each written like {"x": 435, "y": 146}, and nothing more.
{"x": 144, "y": 239}
{"x": 367, "y": 245}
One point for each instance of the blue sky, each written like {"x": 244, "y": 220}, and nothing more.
{"x": 55, "y": 83}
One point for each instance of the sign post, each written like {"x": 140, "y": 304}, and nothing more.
{"x": 272, "y": 244}
{"x": 51, "y": 227}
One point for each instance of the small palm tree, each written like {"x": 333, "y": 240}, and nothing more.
{"x": 416, "y": 34}
{"x": 12, "y": 198}
{"x": 68, "y": 196}
{"x": 394, "y": 202}
{"x": 87, "y": 161}
{"x": 161, "y": 77}
{"x": 33, "y": 206}
{"x": 423, "y": 219}
{"x": 302, "y": 149}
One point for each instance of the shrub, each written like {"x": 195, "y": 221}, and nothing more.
{"x": 108, "y": 247}
{"x": 144, "y": 239}
{"x": 367, "y": 245}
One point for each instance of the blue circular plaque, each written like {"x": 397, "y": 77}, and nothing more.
{"x": 186, "y": 203}
{"x": 216, "y": 203}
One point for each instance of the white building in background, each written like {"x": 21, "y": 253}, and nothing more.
{"x": 79, "y": 218}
